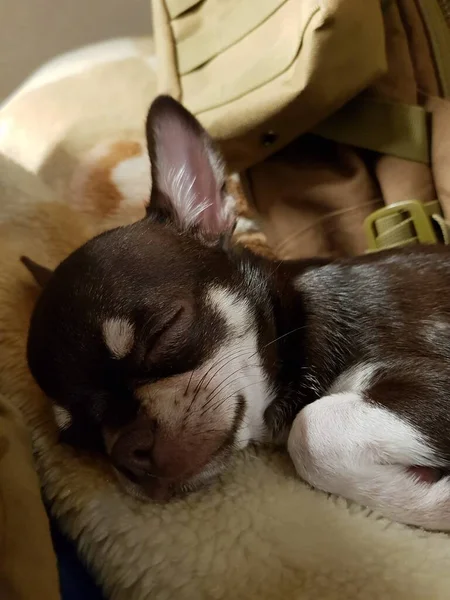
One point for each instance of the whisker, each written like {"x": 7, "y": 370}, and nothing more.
{"x": 284, "y": 335}
{"x": 204, "y": 431}
{"x": 201, "y": 407}
{"x": 265, "y": 346}
{"x": 222, "y": 400}
{"x": 189, "y": 382}
{"x": 226, "y": 361}
{"x": 209, "y": 398}
{"x": 198, "y": 386}
{"x": 219, "y": 360}
{"x": 230, "y": 358}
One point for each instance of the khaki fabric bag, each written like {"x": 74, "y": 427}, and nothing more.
{"x": 248, "y": 68}
{"x": 328, "y": 109}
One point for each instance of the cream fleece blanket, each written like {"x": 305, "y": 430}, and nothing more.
{"x": 259, "y": 532}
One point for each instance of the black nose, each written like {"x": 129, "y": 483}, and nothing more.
{"x": 132, "y": 452}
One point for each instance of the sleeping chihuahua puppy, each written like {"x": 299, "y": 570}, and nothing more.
{"x": 167, "y": 349}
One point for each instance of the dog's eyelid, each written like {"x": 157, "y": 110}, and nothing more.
{"x": 169, "y": 334}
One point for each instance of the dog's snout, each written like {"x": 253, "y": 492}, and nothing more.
{"x": 159, "y": 458}
{"x": 132, "y": 452}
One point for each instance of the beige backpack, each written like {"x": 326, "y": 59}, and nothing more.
{"x": 329, "y": 110}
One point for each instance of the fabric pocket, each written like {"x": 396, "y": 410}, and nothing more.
{"x": 258, "y": 74}
{"x": 253, "y": 60}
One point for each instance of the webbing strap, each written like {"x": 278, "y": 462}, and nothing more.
{"x": 396, "y": 129}
{"x": 406, "y": 223}
{"x": 434, "y": 14}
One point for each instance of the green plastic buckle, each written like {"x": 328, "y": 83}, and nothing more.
{"x": 410, "y": 218}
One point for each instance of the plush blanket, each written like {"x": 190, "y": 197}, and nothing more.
{"x": 259, "y": 532}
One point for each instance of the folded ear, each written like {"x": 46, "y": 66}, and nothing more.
{"x": 188, "y": 174}
{"x": 40, "y": 274}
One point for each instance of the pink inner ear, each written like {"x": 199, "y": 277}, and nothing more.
{"x": 189, "y": 174}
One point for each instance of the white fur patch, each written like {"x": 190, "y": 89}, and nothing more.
{"x": 119, "y": 336}
{"x": 233, "y": 309}
{"x": 62, "y": 416}
{"x": 236, "y": 313}
{"x": 344, "y": 445}
{"x": 355, "y": 380}
{"x": 132, "y": 178}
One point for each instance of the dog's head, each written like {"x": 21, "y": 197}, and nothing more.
{"x": 153, "y": 340}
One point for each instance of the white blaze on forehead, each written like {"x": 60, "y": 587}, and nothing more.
{"x": 62, "y": 416}
{"x": 119, "y": 336}
{"x": 233, "y": 309}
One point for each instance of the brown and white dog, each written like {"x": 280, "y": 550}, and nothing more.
{"x": 168, "y": 349}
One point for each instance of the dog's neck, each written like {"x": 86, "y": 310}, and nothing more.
{"x": 291, "y": 321}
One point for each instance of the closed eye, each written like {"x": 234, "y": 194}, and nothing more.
{"x": 170, "y": 334}
{"x": 172, "y": 319}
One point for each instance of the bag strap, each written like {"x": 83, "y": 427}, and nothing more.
{"x": 396, "y": 129}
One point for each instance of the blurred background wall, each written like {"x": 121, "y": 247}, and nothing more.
{"x": 34, "y": 31}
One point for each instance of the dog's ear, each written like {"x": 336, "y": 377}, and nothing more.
{"x": 188, "y": 174}
{"x": 40, "y": 274}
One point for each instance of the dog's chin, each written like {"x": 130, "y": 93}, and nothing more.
{"x": 159, "y": 490}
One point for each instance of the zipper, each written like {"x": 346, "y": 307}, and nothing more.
{"x": 436, "y": 16}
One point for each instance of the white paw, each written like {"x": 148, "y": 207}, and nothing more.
{"x": 297, "y": 445}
